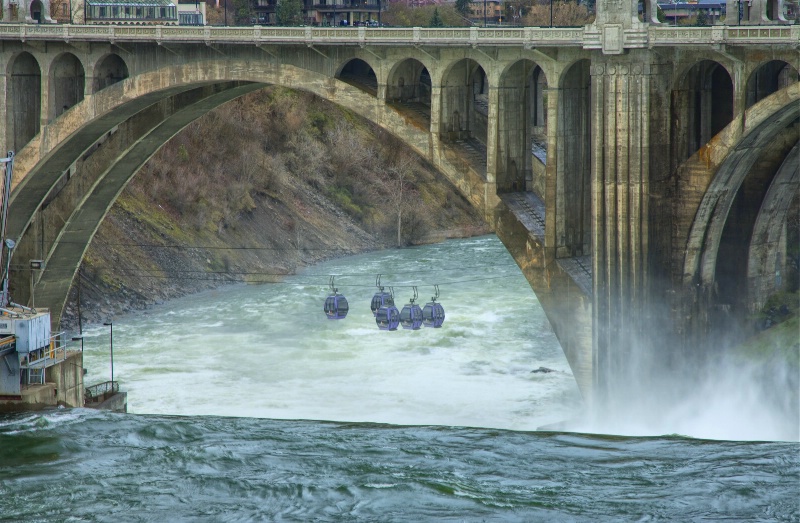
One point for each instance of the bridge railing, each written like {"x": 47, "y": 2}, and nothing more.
{"x": 586, "y": 37}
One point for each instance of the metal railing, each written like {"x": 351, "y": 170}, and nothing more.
{"x": 587, "y": 37}
{"x": 47, "y": 356}
{"x": 101, "y": 391}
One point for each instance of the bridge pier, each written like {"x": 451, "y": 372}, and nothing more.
{"x": 620, "y": 196}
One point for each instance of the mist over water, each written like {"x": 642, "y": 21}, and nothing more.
{"x": 268, "y": 351}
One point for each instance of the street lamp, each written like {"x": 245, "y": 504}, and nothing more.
{"x": 111, "y": 325}
{"x": 551, "y": 13}
{"x": 484, "y": 13}
{"x": 76, "y": 338}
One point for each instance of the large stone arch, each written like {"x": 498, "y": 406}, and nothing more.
{"x": 573, "y": 179}
{"x": 67, "y": 84}
{"x": 702, "y": 105}
{"x": 737, "y": 199}
{"x": 74, "y": 170}
{"x": 766, "y": 263}
{"x": 23, "y": 100}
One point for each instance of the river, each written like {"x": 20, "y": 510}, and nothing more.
{"x": 228, "y": 391}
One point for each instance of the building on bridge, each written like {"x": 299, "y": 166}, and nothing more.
{"x": 681, "y": 12}
{"x": 328, "y": 13}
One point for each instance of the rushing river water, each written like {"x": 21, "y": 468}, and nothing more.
{"x": 431, "y": 425}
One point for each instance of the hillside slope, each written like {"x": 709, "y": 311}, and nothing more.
{"x": 265, "y": 184}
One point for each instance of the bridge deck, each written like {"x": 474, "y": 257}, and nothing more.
{"x": 530, "y": 211}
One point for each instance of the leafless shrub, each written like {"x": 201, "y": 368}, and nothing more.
{"x": 565, "y": 13}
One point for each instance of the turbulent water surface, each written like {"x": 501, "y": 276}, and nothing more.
{"x": 432, "y": 425}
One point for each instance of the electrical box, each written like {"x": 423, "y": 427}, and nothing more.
{"x": 32, "y": 331}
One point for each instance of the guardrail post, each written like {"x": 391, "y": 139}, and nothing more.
{"x": 415, "y": 35}
{"x": 473, "y": 35}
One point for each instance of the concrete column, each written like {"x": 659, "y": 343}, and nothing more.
{"x": 4, "y": 105}
{"x": 492, "y": 127}
{"x": 45, "y": 63}
{"x": 620, "y": 173}
{"x": 551, "y": 169}
{"x": 436, "y": 109}
{"x": 739, "y": 91}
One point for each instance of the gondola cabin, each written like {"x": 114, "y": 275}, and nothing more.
{"x": 336, "y": 307}
{"x": 433, "y": 315}
{"x": 381, "y": 299}
{"x": 411, "y": 316}
{"x": 387, "y": 318}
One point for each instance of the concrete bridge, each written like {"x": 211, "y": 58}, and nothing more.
{"x": 642, "y": 176}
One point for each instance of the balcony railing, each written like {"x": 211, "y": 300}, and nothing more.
{"x": 54, "y": 353}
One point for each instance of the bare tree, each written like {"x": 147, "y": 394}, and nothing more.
{"x": 397, "y": 183}
{"x": 564, "y": 14}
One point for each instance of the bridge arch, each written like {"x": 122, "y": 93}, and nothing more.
{"x": 742, "y": 199}
{"x": 110, "y": 69}
{"x": 67, "y": 84}
{"x": 464, "y": 109}
{"x": 359, "y": 73}
{"x": 573, "y": 174}
{"x": 522, "y": 106}
{"x": 771, "y": 234}
{"x": 768, "y": 78}
{"x": 110, "y": 134}
{"x": 409, "y": 80}
{"x": 702, "y": 105}
{"x": 23, "y": 100}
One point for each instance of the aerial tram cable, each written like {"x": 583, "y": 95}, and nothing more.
{"x": 336, "y": 306}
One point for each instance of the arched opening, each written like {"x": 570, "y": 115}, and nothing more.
{"x": 465, "y": 110}
{"x": 409, "y": 86}
{"x": 23, "y": 101}
{"x": 359, "y": 73}
{"x": 522, "y": 144}
{"x": 67, "y": 84}
{"x": 767, "y": 79}
{"x": 702, "y": 105}
{"x": 110, "y": 70}
{"x": 759, "y": 197}
{"x": 36, "y": 11}
{"x": 773, "y": 254}
{"x": 574, "y": 217}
